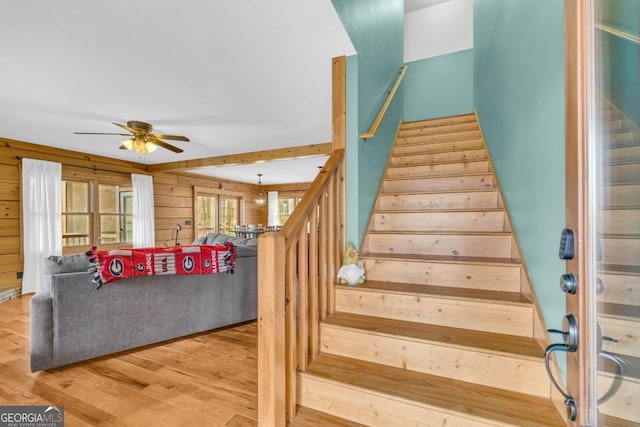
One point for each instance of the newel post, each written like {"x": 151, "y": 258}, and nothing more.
{"x": 271, "y": 335}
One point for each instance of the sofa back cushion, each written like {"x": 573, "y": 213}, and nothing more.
{"x": 73, "y": 263}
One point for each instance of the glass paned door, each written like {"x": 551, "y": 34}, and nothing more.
{"x": 614, "y": 211}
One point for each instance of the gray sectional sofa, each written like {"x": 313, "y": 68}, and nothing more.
{"x": 73, "y": 321}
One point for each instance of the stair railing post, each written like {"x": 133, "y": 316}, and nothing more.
{"x": 271, "y": 330}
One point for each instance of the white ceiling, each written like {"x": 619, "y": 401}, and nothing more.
{"x": 413, "y": 5}
{"x": 233, "y": 76}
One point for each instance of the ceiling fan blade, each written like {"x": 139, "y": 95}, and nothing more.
{"x": 172, "y": 137}
{"x": 101, "y": 133}
{"x": 127, "y": 128}
{"x": 163, "y": 144}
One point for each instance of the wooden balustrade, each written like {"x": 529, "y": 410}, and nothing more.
{"x": 296, "y": 272}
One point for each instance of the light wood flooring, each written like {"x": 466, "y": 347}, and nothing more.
{"x": 208, "y": 379}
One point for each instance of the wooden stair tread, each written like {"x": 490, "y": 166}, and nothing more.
{"x": 486, "y": 341}
{"x": 633, "y": 270}
{"x": 510, "y": 298}
{"x": 441, "y": 258}
{"x": 450, "y": 395}
{"x": 431, "y": 211}
{"x": 414, "y": 141}
{"x": 306, "y": 417}
{"x": 441, "y": 162}
{"x": 437, "y": 121}
{"x": 452, "y": 175}
{"x": 619, "y": 310}
{"x": 454, "y": 191}
{"x": 610, "y": 421}
{"x": 440, "y": 232}
{"x": 443, "y": 151}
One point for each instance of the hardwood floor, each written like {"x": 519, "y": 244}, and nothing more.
{"x": 208, "y": 379}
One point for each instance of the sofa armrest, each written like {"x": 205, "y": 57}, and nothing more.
{"x": 41, "y": 331}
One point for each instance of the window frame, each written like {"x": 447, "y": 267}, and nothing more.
{"x": 94, "y": 214}
{"x": 221, "y": 195}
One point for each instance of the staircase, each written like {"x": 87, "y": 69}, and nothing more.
{"x": 442, "y": 332}
{"x": 619, "y": 267}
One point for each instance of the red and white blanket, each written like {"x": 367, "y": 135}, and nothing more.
{"x": 118, "y": 264}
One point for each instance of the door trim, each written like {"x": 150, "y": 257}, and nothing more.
{"x": 577, "y": 28}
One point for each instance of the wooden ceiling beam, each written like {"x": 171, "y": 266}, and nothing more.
{"x": 245, "y": 158}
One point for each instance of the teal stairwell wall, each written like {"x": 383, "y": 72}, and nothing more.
{"x": 620, "y": 57}
{"x": 439, "y": 86}
{"x": 519, "y": 97}
{"x": 376, "y": 29}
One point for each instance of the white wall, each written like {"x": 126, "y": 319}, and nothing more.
{"x": 437, "y": 30}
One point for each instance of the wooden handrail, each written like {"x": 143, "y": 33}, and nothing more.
{"x": 296, "y": 273}
{"x": 383, "y": 110}
{"x": 302, "y": 211}
{"x": 619, "y": 33}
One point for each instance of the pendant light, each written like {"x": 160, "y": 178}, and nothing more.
{"x": 260, "y": 199}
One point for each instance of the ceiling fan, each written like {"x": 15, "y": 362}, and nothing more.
{"x": 141, "y": 139}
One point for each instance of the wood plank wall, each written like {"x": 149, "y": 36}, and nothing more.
{"x": 173, "y": 193}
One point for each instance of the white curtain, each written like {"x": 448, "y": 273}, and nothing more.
{"x": 144, "y": 234}
{"x": 272, "y": 213}
{"x": 42, "y": 219}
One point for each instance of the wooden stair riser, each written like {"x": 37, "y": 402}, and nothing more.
{"x": 456, "y": 136}
{"x": 463, "y": 182}
{"x": 446, "y": 156}
{"x": 612, "y": 125}
{"x": 505, "y": 278}
{"x": 619, "y": 221}
{"x": 487, "y": 316}
{"x": 437, "y": 130}
{"x": 609, "y": 113}
{"x": 443, "y": 121}
{"x": 626, "y": 330}
{"x": 375, "y": 409}
{"x": 620, "y": 289}
{"x": 479, "y": 221}
{"x": 626, "y": 403}
{"x": 622, "y": 195}
{"x": 437, "y": 147}
{"x": 438, "y": 169}
{"x": 620, "y": 251}
{"x": 617, "y": 139}
{"x": 622, "y": 174}
{"x": 506, "y": 371}
{"x": 441, "y": 201}
{"x": 623, "y": 154}
{"x": 494, "y": 246}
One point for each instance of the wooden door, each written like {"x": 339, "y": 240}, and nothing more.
{"x": 603, "y": 208}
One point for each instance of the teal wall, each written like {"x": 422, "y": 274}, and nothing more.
{"x": 619, "y": 58}
{"x": 519, "y": 97}
{"x": 376, "y": 29}
{"x": 439, "y": 86}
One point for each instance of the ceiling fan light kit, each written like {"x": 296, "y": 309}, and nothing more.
{"x": 141, "y": 139}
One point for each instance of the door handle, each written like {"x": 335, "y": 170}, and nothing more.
{"x": 570, "y": 345}
{"x": 619, "y": 363}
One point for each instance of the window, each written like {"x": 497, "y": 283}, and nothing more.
{"x": 116, "y": 214}
{"x": 76, "y": 215}
{"x": 94, "y": 213}
{"x": 215, "y": 211}
{"x": 206, "y": 214}
{"x": 286, "y": 207}
{"x": 230, "y": 214}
